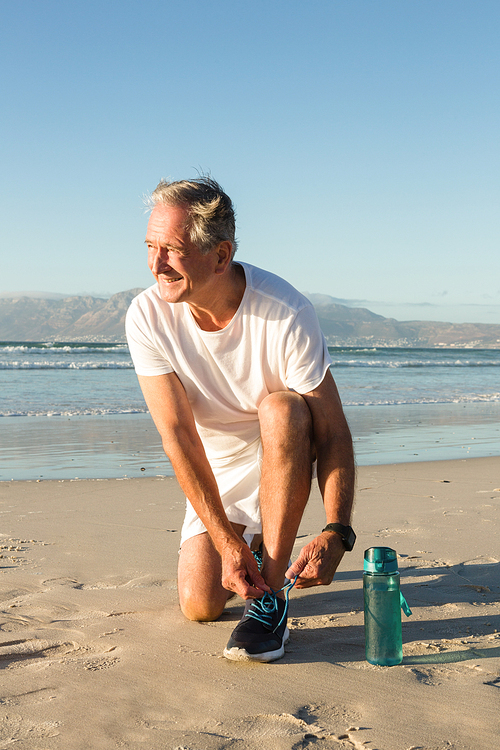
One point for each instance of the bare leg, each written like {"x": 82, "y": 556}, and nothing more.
{"x": 287, "y": 442}
{"x": 286, "y": 434}
{"x": 201, "y": 594}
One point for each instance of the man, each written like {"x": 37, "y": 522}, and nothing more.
{"x": 235, "y": 372}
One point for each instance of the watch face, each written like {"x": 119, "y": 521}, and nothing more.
{"x": 349, "y": 539}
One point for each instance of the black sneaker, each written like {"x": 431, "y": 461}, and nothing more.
{"x": 262, "y": 632}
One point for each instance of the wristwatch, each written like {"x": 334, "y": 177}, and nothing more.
{"x": 346, "y": 533}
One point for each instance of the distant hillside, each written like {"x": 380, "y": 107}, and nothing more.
{"x": 102, "y": 320}
{"x": 68, "y": 319}
{"x": 357, "y": 326}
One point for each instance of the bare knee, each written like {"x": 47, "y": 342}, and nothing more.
{"x": 201, "y": 595}
{"x": 200, "y": 610}
{"x": 285, "y": 412}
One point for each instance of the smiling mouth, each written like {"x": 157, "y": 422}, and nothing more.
{"x": 171, "y": 281}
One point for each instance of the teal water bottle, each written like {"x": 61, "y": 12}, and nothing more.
{"x": 383, "y": 603}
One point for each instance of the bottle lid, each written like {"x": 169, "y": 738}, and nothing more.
{"x": 381, "y": 560}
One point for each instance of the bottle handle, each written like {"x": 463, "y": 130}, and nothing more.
{"x": 404, "y": 605}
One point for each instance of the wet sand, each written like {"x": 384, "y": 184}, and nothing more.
{"x": 128, "y": 445}
{"x": 94, "y": 651}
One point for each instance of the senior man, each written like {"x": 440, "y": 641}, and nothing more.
{"x": 235, "y": 373}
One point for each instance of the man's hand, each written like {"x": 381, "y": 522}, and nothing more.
{"x": 318, "y": 561}
{"x": 240, "y": 572}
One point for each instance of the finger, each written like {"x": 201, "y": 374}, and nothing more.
{"x": 252, "y": 593}
{"x": 295, "y": 569}
{"x": 247, "y": 591}
{"x": 307, "y": 574}
{"x": 254, "y": 576}
{"x": 315, "y": 578}
{"x": 306, "y": 583}
{"x": 259, "y": 582}
{"x": 311, "y": 578}
{"x": 242, "y": 585}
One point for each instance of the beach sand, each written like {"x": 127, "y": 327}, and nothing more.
{"x": 95, "y": 653}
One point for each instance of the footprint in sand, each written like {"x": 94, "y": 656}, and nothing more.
{"x": 28, "y": 699}
{"x": 29, "y": 652}
{"x": 18, "y": 729}
{"x": 95, "y": 665}
{"x": 311, "y": 726}
{"x": 25, "y": 650}
{"x": 116, "y": 582}
{"x": 481, "y": 573}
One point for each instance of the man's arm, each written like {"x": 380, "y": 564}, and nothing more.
{"x": 318, "y": 560}
{"x": 171, "y": 411}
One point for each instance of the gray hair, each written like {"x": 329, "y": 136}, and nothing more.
{"x": 211, "y": 215}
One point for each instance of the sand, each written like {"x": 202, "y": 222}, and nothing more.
{"x": 94, "y": 652}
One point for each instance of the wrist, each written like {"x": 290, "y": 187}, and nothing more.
{"x": 346, "y": 533}
{"x": 224, "y": 539}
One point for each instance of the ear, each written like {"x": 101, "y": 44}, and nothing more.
{"x": 224, "y": 251}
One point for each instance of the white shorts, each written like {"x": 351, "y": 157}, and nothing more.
{"x": 238, "y": 480}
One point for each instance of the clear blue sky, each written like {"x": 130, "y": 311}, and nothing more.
{"x": 359, "y": 140}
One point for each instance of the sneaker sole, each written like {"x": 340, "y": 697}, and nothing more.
{"x": 240, "y": 654}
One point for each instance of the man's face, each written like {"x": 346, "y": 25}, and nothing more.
{"x": 182, "y": 272}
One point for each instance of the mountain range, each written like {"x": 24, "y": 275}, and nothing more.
{"x": 92, "y": 319}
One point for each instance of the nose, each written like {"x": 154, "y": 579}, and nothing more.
{"x": 158, "y": 260}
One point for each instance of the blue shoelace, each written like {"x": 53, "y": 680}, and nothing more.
{"x": 263, "y": 609}
{"x": 257, "y": 553}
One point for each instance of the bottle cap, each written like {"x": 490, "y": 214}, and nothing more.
{"x": 381, "y": 560}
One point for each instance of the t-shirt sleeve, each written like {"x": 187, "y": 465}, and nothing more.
{"x": 306, "y": 352}
{"x": 145, "y": 353}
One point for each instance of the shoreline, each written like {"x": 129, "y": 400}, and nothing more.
{"x": 93, "y": 643}
{"x": 128, "y": 445}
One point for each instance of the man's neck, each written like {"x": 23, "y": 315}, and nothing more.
{"x": 221, "y": 309}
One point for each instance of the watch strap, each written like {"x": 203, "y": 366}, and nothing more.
{"x": 345, "y": 532}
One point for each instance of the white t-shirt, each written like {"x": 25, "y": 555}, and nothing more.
{"x": 273, "y": 343}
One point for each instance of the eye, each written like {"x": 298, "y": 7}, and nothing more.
{"x": 179, "y": 251}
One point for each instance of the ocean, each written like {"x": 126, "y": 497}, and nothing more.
{"x": 76, "y": 411}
